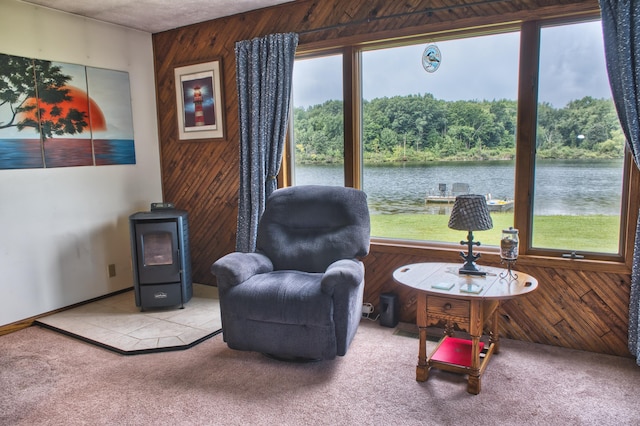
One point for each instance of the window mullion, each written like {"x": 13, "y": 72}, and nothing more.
{"x": 526, "y": 130}
{"x": 352, "y": 117}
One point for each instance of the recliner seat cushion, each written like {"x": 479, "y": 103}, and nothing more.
{"x": 286, "y": 297}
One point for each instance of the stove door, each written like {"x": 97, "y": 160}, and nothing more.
{"x": 157, "y": 252}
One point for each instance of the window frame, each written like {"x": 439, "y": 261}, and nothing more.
{"x": 525, "y": 138}
{"x": 526, "y": 135}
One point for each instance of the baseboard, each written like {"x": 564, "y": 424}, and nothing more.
{"x": 28, "y": 322}
{"x": 199, "y": 289}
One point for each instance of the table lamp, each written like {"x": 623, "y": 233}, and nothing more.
{"x": 470, "y": 213}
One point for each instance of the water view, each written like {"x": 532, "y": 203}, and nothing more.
{"x": 563, "y": 187}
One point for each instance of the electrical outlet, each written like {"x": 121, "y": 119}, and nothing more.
{"x": 367, "y": 308}
{"x": 112, "y": 270}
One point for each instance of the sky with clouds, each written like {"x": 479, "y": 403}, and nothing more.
{"x": 479, "y": 68}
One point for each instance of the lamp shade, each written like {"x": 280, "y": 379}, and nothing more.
{"x": 470, "y": 213}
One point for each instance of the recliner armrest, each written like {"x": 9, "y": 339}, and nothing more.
{"x": 341, "y": 272}
{"x": 235, "y": 268}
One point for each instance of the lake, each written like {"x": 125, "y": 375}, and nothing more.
{"x": 563, "y": 187}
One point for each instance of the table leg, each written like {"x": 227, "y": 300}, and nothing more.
{"x": 473, "y": 385}
{"x": 422, "y": 369}
{"x": 494, "y": 336}
{"x": 475, "y": 330}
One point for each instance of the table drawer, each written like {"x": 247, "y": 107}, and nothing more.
{"x": 450, "y": 307}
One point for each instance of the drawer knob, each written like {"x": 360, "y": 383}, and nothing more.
{"x": 447, "y": 306}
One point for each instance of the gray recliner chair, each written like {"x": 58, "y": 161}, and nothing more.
{"x": 299, "y": 295}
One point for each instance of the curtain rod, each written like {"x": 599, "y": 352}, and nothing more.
{"x": 429, "y": 11}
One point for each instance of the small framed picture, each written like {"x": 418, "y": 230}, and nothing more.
{"x": 199, "y": 101}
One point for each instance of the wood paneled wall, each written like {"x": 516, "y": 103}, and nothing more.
{"x": 581, "y": 306}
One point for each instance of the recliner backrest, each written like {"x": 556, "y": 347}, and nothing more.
{"x": 308, "y": 227}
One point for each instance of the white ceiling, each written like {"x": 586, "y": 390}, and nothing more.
{"x": 154, "y": 16}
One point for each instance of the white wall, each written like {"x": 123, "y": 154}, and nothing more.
{"x": 62, "y": 227}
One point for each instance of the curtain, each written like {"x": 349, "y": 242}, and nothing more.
{"x": 263, "y": 76}
{"x": 621, "y": 28}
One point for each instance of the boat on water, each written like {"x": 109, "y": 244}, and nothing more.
{"x": 499, "y": 205}
{"x": 445, "y": 197}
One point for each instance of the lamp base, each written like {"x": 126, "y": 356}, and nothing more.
{"x": 469, "y": 267}
{"x": 471, "y": 270}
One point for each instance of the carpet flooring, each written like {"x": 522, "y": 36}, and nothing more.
{"x": 47, "y": 378}
{"x": 50, "y": 378}
{"x": 117, "y": 324}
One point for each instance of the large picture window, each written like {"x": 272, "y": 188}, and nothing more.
{"x": 579, "y": 147}
{"x": 429, "y": 136}
{"x": 425, "y": 136}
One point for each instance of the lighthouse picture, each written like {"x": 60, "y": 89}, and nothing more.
{"x": 197, "y": 105}
{"x": 199, "y": 101}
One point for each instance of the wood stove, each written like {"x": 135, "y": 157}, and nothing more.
{"x": 160, "y": 257}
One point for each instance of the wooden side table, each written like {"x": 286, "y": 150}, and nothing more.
{"x": 469, "y": 301}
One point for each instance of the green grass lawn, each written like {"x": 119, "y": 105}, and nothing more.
{"x": 580, "y": 233}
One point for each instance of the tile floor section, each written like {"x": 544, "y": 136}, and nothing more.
{"x": 116, "y": 322}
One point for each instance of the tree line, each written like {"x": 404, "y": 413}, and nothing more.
{"x": 420, "y": 128}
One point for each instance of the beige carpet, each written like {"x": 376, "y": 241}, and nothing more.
{"x": 116, "y": 323}
{"x": 51, "y": 379}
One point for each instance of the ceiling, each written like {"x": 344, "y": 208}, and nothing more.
{"x": 155, "y": 16}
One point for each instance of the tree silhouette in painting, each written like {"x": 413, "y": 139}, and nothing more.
{"x": 35, "y": 94}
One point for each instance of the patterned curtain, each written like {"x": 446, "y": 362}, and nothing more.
{"x": 263, "y": 75}
{"x": 621, "y": 28}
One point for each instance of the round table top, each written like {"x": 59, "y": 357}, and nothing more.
{"x": 437, "y": 278}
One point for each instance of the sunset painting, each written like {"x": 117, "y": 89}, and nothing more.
{"x": 69, "y": 115}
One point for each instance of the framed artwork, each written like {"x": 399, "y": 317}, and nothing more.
{"x": 58, "y": 114}
{"x": 199, "y": 101}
